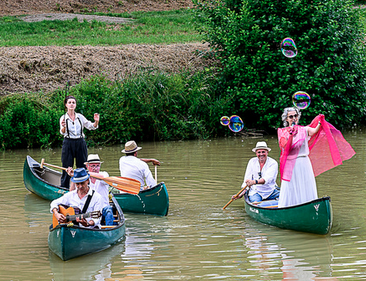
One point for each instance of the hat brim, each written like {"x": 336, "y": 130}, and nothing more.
{"x": 77, "y": 180}
{"x": 261, "y": 147}
{"x": 131, "y": 151}
{"x": 93, "y": 162}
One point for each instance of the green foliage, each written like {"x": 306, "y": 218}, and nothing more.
{"x": 330, "y": 64}
{"x": 27, "y": 122}
{"x": 147, "y": 106}
{"x": 142, "y": 28}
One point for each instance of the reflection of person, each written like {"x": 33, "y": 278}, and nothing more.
{"x": 93, "y": 165}
{"x": 132, "y": 167}
{"x": 298, "y": 181}
{"x": 79, "y": 198}
{"x": 260, "y": 175}
{"x": 72, "y": 125}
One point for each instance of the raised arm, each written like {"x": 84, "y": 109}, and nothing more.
{"x": 313, "y": 131}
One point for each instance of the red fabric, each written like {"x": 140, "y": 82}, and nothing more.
{"x": 328, "y": 148}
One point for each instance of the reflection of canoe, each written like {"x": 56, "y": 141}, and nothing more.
{"x": 314, "y": 216}
{"x": 69, "y": 242}
{"x": 46, "y": 184}
{"x": 151, "y": 201}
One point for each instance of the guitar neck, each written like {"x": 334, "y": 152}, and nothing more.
{"x": 73, "y": 217}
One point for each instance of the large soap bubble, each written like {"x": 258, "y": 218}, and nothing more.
{"x": 301, "y": 100}
{"x": 236, "y": 124}
{"x": 288, "y": 48}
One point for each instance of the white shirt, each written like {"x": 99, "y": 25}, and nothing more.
{"x": 74, "y": 129}
{"x": 269, "y": 174}
{"x": 102, "y": 188}
{"x": 72, "y": 199}
{"x": 133, "y": 167}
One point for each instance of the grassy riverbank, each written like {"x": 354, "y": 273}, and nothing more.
{"x": 165, "y": 27}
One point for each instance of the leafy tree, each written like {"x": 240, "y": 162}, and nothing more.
{"x": 329, "y": 66}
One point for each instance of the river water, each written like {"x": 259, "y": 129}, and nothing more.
{"x": 197, "y": 240}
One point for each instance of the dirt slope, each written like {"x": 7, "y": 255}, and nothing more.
{"x": 31, "y": 69}
{"x": 21, "y": 7}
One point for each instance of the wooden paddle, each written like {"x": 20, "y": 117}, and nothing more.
{"x": 156, "y": 174}
{"x": 124, "y": 184}
{"x": 236, "y": 195}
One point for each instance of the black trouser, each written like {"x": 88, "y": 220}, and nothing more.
{"x": 72, "y": 149}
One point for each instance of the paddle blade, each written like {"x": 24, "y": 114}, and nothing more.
{"x": 124, "y": 184}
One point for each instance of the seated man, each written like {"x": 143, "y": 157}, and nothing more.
{"x": 260, "y": 175}
{"x": 132, "y": 167}
{"x": 79, "y": 198}
{"x": 93, "y": 165}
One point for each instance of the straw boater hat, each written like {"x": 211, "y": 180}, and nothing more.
{"x": 131, "y": 147}
{"x": 261, "y": 145}
{"x": 80, "y": 175}
{"x": 93, "y": 158}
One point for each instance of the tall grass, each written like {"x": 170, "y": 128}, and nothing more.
{"x": 143, "y": 28}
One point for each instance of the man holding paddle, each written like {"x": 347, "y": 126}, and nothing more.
{"x": 83, "y": 197}
{"x": 93, "y": 165}
{"x": 132, "y": 167}
{"x": 260, "y": 175}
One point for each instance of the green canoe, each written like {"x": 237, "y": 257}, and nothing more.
{"x": 69, "y": 242}
{"x": 46, "y": 184}
{"x": 152, "y": 201}
{"x": 314, "y": 216}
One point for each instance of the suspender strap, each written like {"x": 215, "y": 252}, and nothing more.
{"x": 87, "y": 202}
{"x": 81, "y": 128}
{"x": 67, "y": 127}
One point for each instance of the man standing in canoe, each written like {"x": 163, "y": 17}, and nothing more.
{"x": 260, "y": 175}
{"x": 93, "y": 165}
{"x": 135, "y": 168}
{"x": 83, "y": 197}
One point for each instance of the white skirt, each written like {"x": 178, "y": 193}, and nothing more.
{"x": 301, "y": 188}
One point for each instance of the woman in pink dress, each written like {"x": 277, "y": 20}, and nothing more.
{"x": 297, "y": 177}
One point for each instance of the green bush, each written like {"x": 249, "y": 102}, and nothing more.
{"x": 330, "y": 65}
{"x": 28, "y": 122}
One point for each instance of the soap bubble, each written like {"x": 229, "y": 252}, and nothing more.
{"x": 236, "y": 124}
{"x": 288, "y": 48}
{"x": 225, "y": 120}
{"x": 301, "y": 100}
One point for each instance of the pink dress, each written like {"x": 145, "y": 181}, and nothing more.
{"x": 302, "y": 186}
{"x": 303, "y": 158}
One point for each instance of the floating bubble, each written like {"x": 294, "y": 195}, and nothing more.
{"x": 288, "y": 48}
{"x": 225, "y": 120}
{"x": 301, "y": 100}
{"x": 236, "y": 124}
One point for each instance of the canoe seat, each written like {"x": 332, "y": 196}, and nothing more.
{"x": 107, "y": 226}
{"x": 268, "y": 204}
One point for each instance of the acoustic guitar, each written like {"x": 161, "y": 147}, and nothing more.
{"x": 72, "y": 213}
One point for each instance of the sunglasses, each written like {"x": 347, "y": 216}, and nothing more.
{"x": 261, "y": 151}
{"x": 292, "y": 116}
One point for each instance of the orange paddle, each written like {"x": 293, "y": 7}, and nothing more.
{"x": 124, "y": 184}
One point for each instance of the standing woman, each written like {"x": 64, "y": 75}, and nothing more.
{"x": 297, "y": 177}
{"x": 72, "y": 125}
